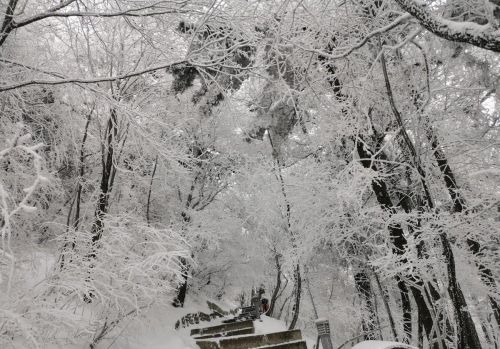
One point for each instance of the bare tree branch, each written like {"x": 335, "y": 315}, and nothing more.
{"x": 10, "y": 22}
{"x": 362, "y": 42}
{"x": 89, "y": 81}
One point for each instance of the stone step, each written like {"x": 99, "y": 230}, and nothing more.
{"x": 241, "y": 331}
{"x": 289, "y": 345}
{"x": 248, "y": 342}
{"x": 233, "y": 326}
{"x": 260, "y": 340}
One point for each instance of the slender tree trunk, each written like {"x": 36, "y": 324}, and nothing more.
{"x": 81, "y": 173}
{"x": 420, "y": 333}
{"x": 298, "y": 291}
{"x": 406, "y": 307}
{"x": 77, "y": 200}
{"x": 297, "y": 276}
{"x": 183, "y": 287}
{"x": 459, "y": 205}
{"x": 364, "y": 289}
{"x": 277, "y": 287}
{"x": 466, "y": 332}
{"x": 399, "y": 242}
{"x": 107, "y": 177}
{"x": 106, "y": 183}
{"x": 396, "y": 233}
{"x": 150, "y": 190}
{"x": 308, "y": 285}
{"x": 385, "y": 300}
{"x": 287, "y": 299}
{"x": 8, "y": 20}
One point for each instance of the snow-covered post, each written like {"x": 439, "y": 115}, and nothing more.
{"x": 323, "y": 327}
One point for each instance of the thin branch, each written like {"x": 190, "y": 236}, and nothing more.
{"x": 150, "y": 190}
{"x": 89, "y": 81}
{"x": 361, "y": 43}
{"x": 128, "y": 13}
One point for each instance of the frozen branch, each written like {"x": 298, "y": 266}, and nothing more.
{"x": 18, "y": 143}
{"x": 88, "y": 81}
{"x": 363, "y": 41}
{"x": 483, "y": 36}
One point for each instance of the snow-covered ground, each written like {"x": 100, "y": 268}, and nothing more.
{"x": 155, "y": 330}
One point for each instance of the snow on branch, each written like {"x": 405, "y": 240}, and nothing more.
{"x": 359, "y": 44}
{"x": 88, "y": 81}
{"x": 19, "y": 143}
{"x": 483, "y": 36}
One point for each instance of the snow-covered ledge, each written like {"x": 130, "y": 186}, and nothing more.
{"x": 484, "y": 36}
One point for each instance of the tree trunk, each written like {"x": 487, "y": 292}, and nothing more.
{"x": 385, "y": 300}
{"x": 459, "y": 205}
{"x": 399, "y": 242}
{"x": 150, "y": 190}
{"x": 8, "y": 21}
{"x": 396, "y": 232}
{"x": 298, "y": 291}
{"x": 106, "y": 183}
{"x": 277, "y": 287}
{"x": 466, "y": 331}
{"x": 364, "y": 289}
{"x": 77, "y": 200}
{"x": 406, "y": 306}
{"x": 183, "y": 287}
{"x": 81, "y": 173}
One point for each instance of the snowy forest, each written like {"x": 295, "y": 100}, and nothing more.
{"x": 342, "y": 154}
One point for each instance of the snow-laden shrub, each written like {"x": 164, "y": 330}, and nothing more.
{"x": 87, "y": 294}
{"x": 81, "y": 291}
{"x": 132, "y": 264}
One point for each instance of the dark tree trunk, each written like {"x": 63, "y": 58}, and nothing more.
{"x": 81, "y": 173}
{"x": 459, "y": 205}
{"x": 107, "y": 178}
{"x": 399, "y": 243}
{"x": 297, "y": 276}
{"x": 385, "y": 300}
{"x": 150, "y": 190}
{"x": 287, "y": 299}
{"x": 298, "y": 291}
{"x": 77, "y": 200}
{"x": 277, "y": 287}
{"x": 396, "y": 232}
{"x": 106, "y": 182}
{"x": 183, "y": 287}
{"x": 406, "y": 305}
{"x": 364, "y": 289}
{"x": 8, "y": 20}
{"x": 466, "y": 331}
